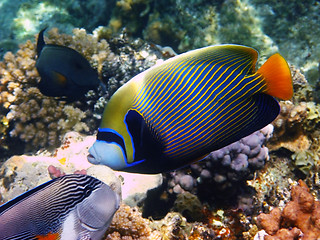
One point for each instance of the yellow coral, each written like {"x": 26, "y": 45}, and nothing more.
{"x": 129, "y": 224}
{"x": 37, "y": 119}
{"x": 95, "y": 50}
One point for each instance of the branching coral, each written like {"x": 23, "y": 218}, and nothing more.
{"x": 94, "y": 49}
{"x": 30, "y": 116}
{"x": 131, "y": 57}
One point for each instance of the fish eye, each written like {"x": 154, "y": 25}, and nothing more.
{"x": 88, "y": 190}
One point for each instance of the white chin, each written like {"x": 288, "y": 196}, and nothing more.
{"x": 91, "y": 159}
{"x": 92, "y": 156}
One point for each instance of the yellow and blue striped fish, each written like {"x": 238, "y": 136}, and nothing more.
{"x": 177, "y": 112}
{"x": 71, "y": 207}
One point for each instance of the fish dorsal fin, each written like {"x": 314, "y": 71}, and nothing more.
{"x": 40, "y": 42}
{"x": 246, "y": 55}
{"x": 233, "y": 57}
{"x": 25, "y": 195}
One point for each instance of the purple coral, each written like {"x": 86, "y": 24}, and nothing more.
{"x": 224, "y": 169}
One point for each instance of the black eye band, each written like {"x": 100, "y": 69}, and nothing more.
{"x": 112, "y": 137}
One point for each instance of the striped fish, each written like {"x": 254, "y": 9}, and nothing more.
{"x": 176, "y": 113}
{"x": 72, "y": 207}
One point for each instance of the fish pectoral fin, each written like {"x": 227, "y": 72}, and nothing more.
{"x": 59, "y": 78}
{"x": 277, "y": 75}
{"x": 145, "y": 141}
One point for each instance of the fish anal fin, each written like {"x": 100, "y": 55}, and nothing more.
{"x": 277, "y": 75}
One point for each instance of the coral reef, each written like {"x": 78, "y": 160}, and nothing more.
{"x": 131, "y": 56}
{"x": 128, "y": 224}
{"x": 181, "y": 25}
{"x": 302, "y": 213}
{"x": 32, "y": 117}
{"x": 130, "y": 13}
{"x": 224, "y": 170}
{"x": 22, "y": 173}
{"x": 297, "y": 126}
{"x": 217, "y": 198}
{"x": 239, "y": 23}
{"x": 193, "y": 24}
{"x": 272, "y": 183}
{"x": 38, "y": 120}
{"x": 189, "y": 206}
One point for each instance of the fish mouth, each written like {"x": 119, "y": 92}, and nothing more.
{"x": 92, "y": 159}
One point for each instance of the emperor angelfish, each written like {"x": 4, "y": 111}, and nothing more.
{"x": 176, "y": 113}
{"x": 72, "y": 207}
{"x": 64, "y": 72}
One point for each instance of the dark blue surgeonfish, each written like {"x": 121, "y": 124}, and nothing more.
{"x": 72, "y": 207}
{"x": 64, "y": 72}
{"x": 176, "y": 113}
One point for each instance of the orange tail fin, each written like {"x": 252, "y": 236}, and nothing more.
{"x": 278, "y": 77}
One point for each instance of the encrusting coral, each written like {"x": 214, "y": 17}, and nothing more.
{"x": 297, "y": 126}
{"x": 302, "y": 213}
{"x": 128, "y": 224}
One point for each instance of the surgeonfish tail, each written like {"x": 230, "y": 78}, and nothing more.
{"x": 277, "y": 75}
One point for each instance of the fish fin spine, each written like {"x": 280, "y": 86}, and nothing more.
{"x": 277, "y": 75}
